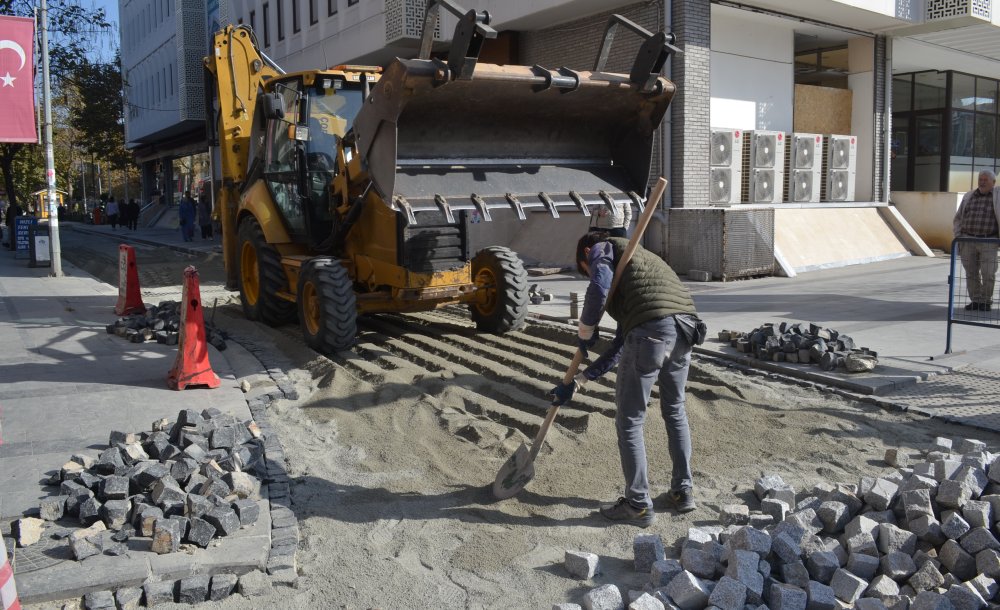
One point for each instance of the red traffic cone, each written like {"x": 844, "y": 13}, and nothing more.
{"x": 129, "y": 299}
{"x": 192, "y": 366}
{"x": 8, "y": 592}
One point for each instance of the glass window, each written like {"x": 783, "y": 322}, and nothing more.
{"x": 331, "y": 7}
{"x": 351, "y": 2}
{"x": 962, "y": 131}
{"x": 963, "y": 91}
{"x": 961, "y": 178}
{"x": 313, "y": 12}
{"x": 985, "y": 141}
{"x": 280, "y": 168}
{"x": 279, "y": 18}
{"x": 986, "y": 95}
{"x": 929, "y": 90}
{"x": 296, "y": 25}
{"x": 902, "y": 91}
{"x": 267, "y": 28}
{"x": 253, "y": 20}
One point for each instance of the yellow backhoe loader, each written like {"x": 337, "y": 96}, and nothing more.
{"x": 348, "y": 191}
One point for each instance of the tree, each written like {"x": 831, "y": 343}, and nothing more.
{"x": 72, "y": 30}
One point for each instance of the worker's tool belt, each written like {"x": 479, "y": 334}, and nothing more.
{"x": 693, "y": 327}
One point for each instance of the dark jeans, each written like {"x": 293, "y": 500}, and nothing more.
{"x": 206, "y": 231}
{"x": 655, "y": 350}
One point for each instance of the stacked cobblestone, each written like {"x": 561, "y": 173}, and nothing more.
{"x": 919, "y": 536}
{"x": 162, "y": 323}
{"x": 188, "y": 481}
{"x": 802, "y": 344}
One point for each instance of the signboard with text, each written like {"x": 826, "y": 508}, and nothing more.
{"x": 22, "y": 228}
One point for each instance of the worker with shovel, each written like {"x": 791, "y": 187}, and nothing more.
{"x": 657, "y": 328}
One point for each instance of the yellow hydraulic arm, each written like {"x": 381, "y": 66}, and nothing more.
{"x": 238, "y": 70}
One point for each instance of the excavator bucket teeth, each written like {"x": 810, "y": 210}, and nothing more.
{"x": 513, "y": 137}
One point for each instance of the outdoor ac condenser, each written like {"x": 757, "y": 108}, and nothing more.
{"x": 725, "y": 161}
{"x": 840, "y": 167}
{"x": 764, "y": 166}
{"x": 804, "y": 168}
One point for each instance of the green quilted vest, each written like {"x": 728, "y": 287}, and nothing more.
{"x": 649, "y": 289}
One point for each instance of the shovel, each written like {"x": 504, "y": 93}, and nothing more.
{"x": 519, "y": 470}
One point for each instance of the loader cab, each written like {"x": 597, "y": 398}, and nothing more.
{"x": 302, "y": 133}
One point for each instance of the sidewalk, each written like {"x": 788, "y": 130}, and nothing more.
{"x": 66, "y": 384}
{"x": 154, "y": 236}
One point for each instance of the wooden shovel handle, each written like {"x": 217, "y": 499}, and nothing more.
{"x": 574, "y": 366}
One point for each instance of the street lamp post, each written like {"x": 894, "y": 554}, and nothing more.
{"x": 55, "y": 249}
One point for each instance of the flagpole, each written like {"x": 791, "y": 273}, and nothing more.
{"x": 55, "y": 249}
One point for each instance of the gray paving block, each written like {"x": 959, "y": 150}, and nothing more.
{"x": 862, "y": 544}
{"x": 787, "y": 597}
{"x": 663, "y": 572}
{"x": 751, "y": 539}
{"x": 927, "y": 578}
{"x": 972, "y": 477}
{"x": 834, "y": 515}
{"x": 953, "y": 494}
{"x": 604, "y": 597}
{"x": 580, "y": 564}
{"x": 774, "y": 508}
{"x": 166, "y": 536}
{"x": 223, "y": 586}
{"x": 795, "y": 573}
{"x": 647, "y": 549}
{"x": 929, "y": 600}
{"x": 882, "y": 493}
{"x": 766, "y": 483}
{"x": 699, "y": 562}
{"x": 200, "y": 532}
{"x": 194, "y": 589}
{"x": 954, "y": 526}
{"x": 114, "y": 488}
{"x": 822, "y": 565}
{"x": 978, "y": 539}
{"x": 81, "y": 543}
{"x": 52, "y": 508}
{"x": 988, "y": 563}
{"x": 99, "y": 600}
{"x": 89, "y": 511}
{"x": 166, "y": 491}
{"x": 847, "y": 586}
{"x": 115, "y": 513}
{"x": 985, "y": 585}
{"x": 965, "y": 597}
{"x": 728, "y": 594}
{"x": 863, "y": 566}
{"x": 224, "y": 519}
{"x": 687, "y": 591}
{"x": 898, "y": 566}
{"x": 892, "y": 539}
{"x": 243, "y": 485}
{"x": 861, "y": 524}
{"x": 954, "y": 558}
{"x": 869, "y": 603}
{"x": 734, "y": 514}
{"x": 916, "y": 503}
{"x": 129, "y": 598}
{"x": 882, "y": 587}
{"x": 645, "y": 601}
{"x": 567, "y": 607}
{"x": 820, "y": 596}
{"x": 978, "y": 513}
{"x": 248, "y": 511}
{"x": 146, "y": 517}
{"x": 927, "y": 529}
{"x": 784, "y": 549}
{"x": 160, "y": 592}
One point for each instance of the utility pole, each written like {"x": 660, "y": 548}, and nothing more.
{"x": 55, "y": 249}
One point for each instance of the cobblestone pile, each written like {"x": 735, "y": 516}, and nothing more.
{"x": 922, "y": 536}
{"x": 161, "y": 323}
{"x": 802, "y": 344}
{"x": 187, "y": 481}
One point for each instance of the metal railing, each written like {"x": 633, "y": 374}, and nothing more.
{"x": 973, "y": 295}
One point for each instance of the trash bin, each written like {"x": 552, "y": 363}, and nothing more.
{"x": 97, "y": 216}
{"x": 38, "y": 242}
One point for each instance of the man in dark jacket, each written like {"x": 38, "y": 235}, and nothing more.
{"x": 656, "y": 321}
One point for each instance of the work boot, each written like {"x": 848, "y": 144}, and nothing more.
{"x": 682, "y": 500}
{"x": 973, "y": 306}
{"x": 623, "y": 512}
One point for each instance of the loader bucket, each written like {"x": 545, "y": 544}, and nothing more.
{"x": 512, "y": 137}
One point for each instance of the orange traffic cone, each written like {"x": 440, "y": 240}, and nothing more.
{"x": 129, "y": 299}
{"x": 8, "y": 592}
{"x": 192, "y": 366}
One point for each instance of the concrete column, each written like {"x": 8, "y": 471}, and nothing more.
{"x": 690, "y": 107}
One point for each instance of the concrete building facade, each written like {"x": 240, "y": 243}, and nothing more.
{"x": 820, "y": 67}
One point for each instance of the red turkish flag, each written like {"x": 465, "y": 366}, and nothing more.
{"x": 17, "y": 80}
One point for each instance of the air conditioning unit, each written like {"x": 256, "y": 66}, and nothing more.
{"x": 839, "y": 167}
{"x": 764, "y": 167}
{"x": 725, "y": 160}
{"x": 804, "y": 168}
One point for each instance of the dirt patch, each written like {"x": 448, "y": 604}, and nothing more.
{"x": 392, "y": 473}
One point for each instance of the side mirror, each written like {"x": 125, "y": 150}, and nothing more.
{"x": 273, "y": 107}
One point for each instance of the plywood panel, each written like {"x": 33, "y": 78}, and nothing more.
{"x": 822, "y": 109}
{"x": 861, "y": 236}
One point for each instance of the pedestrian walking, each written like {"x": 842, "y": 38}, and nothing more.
{"x": 657, "y": 328}
{"x": 615, "y": 222}
{"x": 187, "y": 213}
{"x": 113, "y": 212}
{"x": 133, "y": 214}
{"x": 977, "y": 217}
{"x": 205, "y": 215}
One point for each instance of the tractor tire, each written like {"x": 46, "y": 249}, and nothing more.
{"x": 501, "y": 273}
{"x": 261, "y": 278}
{"x": 328, "y": 310}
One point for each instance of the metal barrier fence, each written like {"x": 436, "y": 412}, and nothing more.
{"x": 973, "y": 295}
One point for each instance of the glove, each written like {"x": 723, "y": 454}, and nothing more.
{"x": 563, "y": 393}
{"x": 585, "y": 344}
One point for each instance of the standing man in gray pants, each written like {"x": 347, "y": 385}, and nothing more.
{"x": 977, "y": 216}
{"x": 657, "y": 328}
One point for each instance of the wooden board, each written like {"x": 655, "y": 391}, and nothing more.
{"x": 822, "y": 109}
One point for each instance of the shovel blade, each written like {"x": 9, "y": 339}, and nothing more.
{"x": 514, "y": 474}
